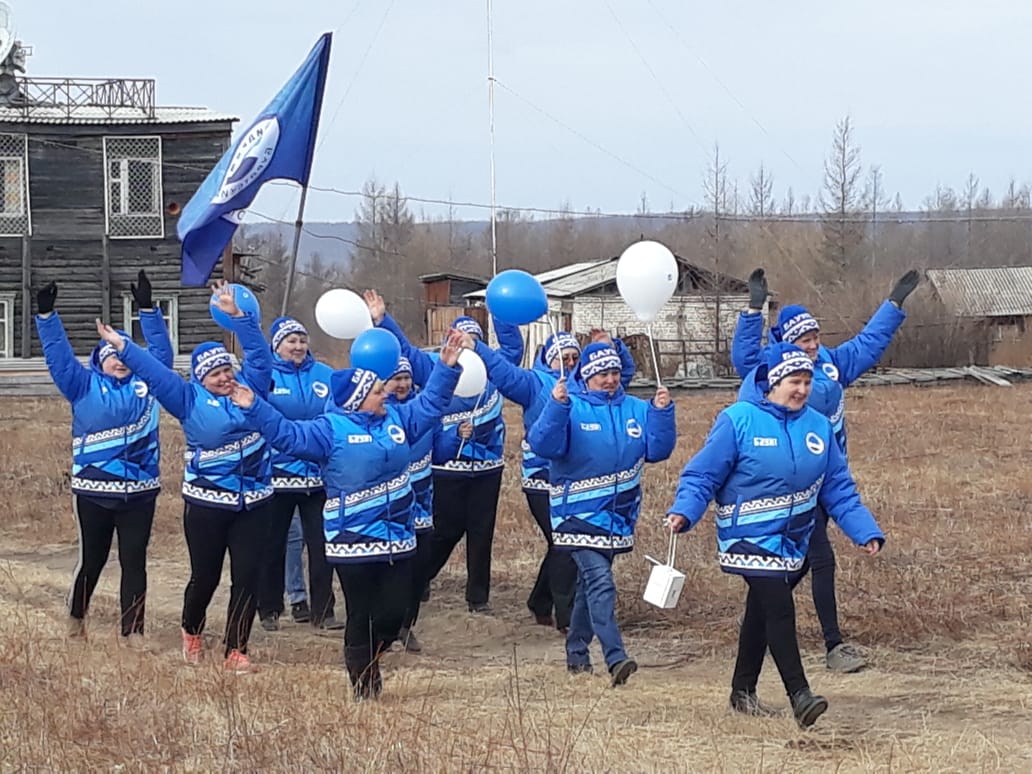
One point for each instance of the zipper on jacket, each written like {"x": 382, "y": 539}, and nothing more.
{"x": 791, "y": 501}
{"x": 616, "y": 474}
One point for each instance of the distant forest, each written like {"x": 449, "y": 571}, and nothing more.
{"x": 838, "y": 251}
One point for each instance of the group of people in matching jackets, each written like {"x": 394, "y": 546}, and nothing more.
{"x": 389, "y": 475}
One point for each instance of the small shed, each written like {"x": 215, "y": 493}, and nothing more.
{"x": 998, "y": 301}
{"x": 444, "y": 294}
{"x": 692, "y": 333}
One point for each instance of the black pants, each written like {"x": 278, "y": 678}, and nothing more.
{"x": 769, "y": 622}
{"x": 320, "y": 575}
{"x": 377, "y": 597}
{"x": 420, "y": 568}
{"x": 97, "y": 525}
{"x": 821, "y": 559}
{"x": 210, "y": 532}
{"x": 466, "y": 506}
{"x": 556, "y": 582}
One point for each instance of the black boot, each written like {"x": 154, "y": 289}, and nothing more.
{"x": 807, "y": 707}
{"x": 358, "y": 664}
{"x": 748, "y": 703}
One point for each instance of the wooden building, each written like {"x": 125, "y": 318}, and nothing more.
{"x": 93, "y": 176}
{"x": 444, "y": 294}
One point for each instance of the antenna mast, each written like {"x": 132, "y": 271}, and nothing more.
{"x": 490, "y": 111}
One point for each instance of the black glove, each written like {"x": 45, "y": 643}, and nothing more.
{"x": 904, "y": 287}
{"x": 45, "y": 298}
{"x": 757, "y": 289}
{"x": 142, "y": 291}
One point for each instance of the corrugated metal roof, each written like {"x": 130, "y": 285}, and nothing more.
{"x": 108, "y": 115}
{"x": 1000, "y": 292}
{"x": 546, "y": 278}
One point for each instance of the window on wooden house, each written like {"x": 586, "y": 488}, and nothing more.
{"x": 169, "y": 306}
{"x": 6, "y": 325}
{"x": 14, "y": 186}
{"x": 132, "y": 187}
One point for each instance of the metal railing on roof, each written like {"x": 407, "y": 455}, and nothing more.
{"x": 70, "y": 96}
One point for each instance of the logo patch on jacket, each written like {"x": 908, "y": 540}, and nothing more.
{"x": 320, "y": 389}
{"x": 359, "y": 438}
{"x": 396, "y": 433}
{"x": 760, "y": 441}
{"x": 140, "y": 389}
{"x": 830, "y": 371}
{"x": 281, "y": 391}
{"x": 633, "y": 428}
{"x": 590, "y": 426}
{"x": 814, "y": 443}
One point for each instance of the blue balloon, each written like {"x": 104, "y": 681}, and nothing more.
{"x": 516, "y": 297}
{"x": 245, "y": 300}
{"x": 376, "y": 350}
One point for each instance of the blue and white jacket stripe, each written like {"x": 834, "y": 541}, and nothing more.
{"x": 420, "y": 474}
{"x": 596, "y": 445}
{"x": 298, "y": 392}
{"x": 768, "y": 468}
{"x": 116, "y": 449}
{"x": 531, "y": 389}
{"x": 228, "y": 464}
{"x": 483, "y": 452}
{"x": 835, "y": 368}
{"x": 365, "y": 461}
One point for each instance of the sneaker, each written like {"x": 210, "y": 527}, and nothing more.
{"x": 622, "y": 670}
{"x": 238, "y": 663}
{"x": 480, "y": 608}
{"x": 330, "y": 624}
{"x": 409, "y": 641}
{"x": 270, "y": 622}
{"x": 845, "y": 658}
{"x": 300, "y": 613}
{"x": 807, "y": 707}
{"x": 580, "y": 669}
{"x": 748, "y": 703}
{"x": 75, "y": 628}
{"x": 544, "y": 620}
{"x": 193, "y": 648}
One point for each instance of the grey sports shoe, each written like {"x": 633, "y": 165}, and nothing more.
{"x": 845, "y": 658}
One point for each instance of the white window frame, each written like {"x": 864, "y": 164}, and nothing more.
{"x": 131, "y": 313}
{"x": 23, "y": 163}
{"x": 123, "y": 212}
{"x": 7, "y": 315}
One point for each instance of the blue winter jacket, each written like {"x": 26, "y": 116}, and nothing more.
{"x": 768, "y": 467}
{"x": 835, "y": 368}
{"x": 228, "y": 464}
{"x": 298, "y": 392}
{"x": 365, "y": 459}
{"x": 596, "y": 445}
{"x": 421, "y": 449}
{"x": 116, "y": 450}
{"x": 531, "y": 389}
{"x": 483, "y": 452}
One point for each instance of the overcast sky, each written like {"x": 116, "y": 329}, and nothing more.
{"x": 598, "y": 100}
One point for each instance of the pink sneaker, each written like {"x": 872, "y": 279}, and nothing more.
{"x": 238, "y": 662}
{"x": 193, "y": 648}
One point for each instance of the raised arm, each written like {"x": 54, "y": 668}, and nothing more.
{"x": 165, "y": 384}
{"x": 660, "y": 427}
{"x": 309, "y": 439}
{"x": 747, "y": 344}
{"x": 70, "y": 376}
{"x": 423, "y": 414}
{"x": 256, "y": 369}
{"x": 153, "y": 324}
{"x": 627, "y": 366}
{"x": 841, "y": 500}
{"x": 510, "y": 341}
{"x": 862, "y": 352}
{"x": 517, "y": 384}
{"x": 549, "y": 436}
{"x": 706, "y": 472}
{"x": 422, "y": 363}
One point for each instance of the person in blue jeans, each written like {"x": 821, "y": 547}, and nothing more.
{"x": 835, "y": 369}
{"x": 769, "y": 462}
{"x": 597, "y": 439}
{"x": 294, "y": 572}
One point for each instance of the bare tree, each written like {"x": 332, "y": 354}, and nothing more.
{"x": 842, "y": 198}
{"x": 877, "y": 202}
{"x": 789, "y": 205}
{"x": 761, "y": 193}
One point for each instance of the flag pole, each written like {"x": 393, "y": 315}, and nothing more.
{"x": 293, "y": 253}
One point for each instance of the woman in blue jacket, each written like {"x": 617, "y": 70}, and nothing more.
{"x": 115, "y": 456}
{"x": 556, "y": 581}
{"x": 363, "y": 446}
{"x": 835, "y": 369}
{"x": 769, "y": 462}
{"x": 467, "y": 460}
{"x": 227, "y": 482}
{"x": 300, "y": 389}
{"x": 596, "y": 440}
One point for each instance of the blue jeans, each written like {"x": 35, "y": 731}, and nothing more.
{"x": 294, "y": 568}
{"x": 594, "y": 610}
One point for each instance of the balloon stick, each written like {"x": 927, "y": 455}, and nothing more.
{"x": 473, "y": 415}
{"x": 655, "y": 360}
{"x": 551, "y": 327}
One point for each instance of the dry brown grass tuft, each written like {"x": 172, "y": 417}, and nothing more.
{"x": 944, "y": 615}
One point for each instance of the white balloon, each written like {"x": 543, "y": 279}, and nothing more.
{"x": 646, "y": 276}
{"x": 342, "y": 313}
{"x": 473, "y": 379}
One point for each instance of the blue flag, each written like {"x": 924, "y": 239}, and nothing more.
{"x": 278, "y": 145}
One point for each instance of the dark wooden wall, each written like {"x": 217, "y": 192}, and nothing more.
{"x": 68, "y": 243}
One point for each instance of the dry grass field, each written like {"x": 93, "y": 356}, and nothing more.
{"x": 944, "y": 615}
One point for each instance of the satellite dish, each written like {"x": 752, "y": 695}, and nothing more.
{"x": 6, "y": 31}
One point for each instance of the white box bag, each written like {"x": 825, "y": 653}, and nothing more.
{"x": 665, "y": 583}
